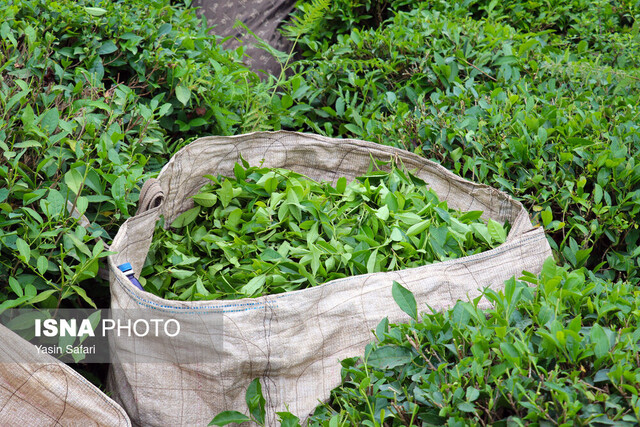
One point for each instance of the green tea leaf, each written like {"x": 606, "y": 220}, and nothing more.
{"x": 443, "y": 214}
{"x": 382, "y": 328}
{"x": 30, "y": 290}
{"x": 43, "y": 264}
{"x": 254, "y": 285}
{"x": 405, "y": 299}
{"x": 226, "y": 193}
{"x": 271, "y": 185}
{"x": 418, "y": 227}
{"x": 82, "y": 203}
{"x": 15, "y": 287}
{"x": 391, "y": 202}
{"x": 83, "y": 294}
{"x": 466, "y": 407}
{"x": 496, "y": 231}
{"x": 95, "y": 11}
{"x": 28, "y": 117}
{"x": 205, "y": 199}
{"x": 600, "y": 339}
{"x": 186, "y": 217}
{"x": 234, "y": 218}
{"x": 42, "y": 296}
{"x": 547, "y": 217}
{"x": 255, "y": 401}
{"x": 389, "y": 357}
{"x": 74, "y": 180}
{"x": 408, "y": 218}
{"x": 107, "y": 47}
{"x": 371, "y": 263}
{"x": 24, "y": 249}
{"x": 239, "y": 171}
{"x": 383, "y": 213}
{"x": 472, "y": 394}
{"x": 396, "y": 235}
{"x": 49, "y": 120}
{"x": 183, "y": 94}
{"x": 228, "y": 417}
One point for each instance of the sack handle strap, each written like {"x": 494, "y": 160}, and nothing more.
{"x": 151, "y": 195}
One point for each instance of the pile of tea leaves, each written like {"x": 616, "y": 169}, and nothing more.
{"x": 267, "y": 231}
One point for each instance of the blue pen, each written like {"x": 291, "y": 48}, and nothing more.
{"x": 128, "y": 271}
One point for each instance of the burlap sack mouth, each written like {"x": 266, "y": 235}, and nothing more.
{"x": 294, "y": 341}
{"x": 149, "y": 300}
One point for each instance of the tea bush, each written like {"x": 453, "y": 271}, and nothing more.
{"x": 560, "y": 353}
{"x": 543, "y": 108}
{"x": 93, "y": 100}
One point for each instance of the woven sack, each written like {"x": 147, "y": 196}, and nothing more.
{"x": 38, "y": 390}
{"x": 294, "y": 341}
{"x": 262, "y": 17}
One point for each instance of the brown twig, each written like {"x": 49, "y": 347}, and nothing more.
{"x": 470, "y": 64}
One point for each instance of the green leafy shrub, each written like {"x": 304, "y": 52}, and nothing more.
{"x": 93, "y": 99}
{"x": 268, "y": 231}
{"x": 607, "y": 29}
{"x": 560, "y": 353}
{"x": 537, "y": 98}
{"x": 548, "y": 117}
{"x": 158, "y": 50}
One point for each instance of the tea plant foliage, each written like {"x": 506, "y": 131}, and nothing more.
{"x": 94, "y": 98}
{"x": 267, "y": 231}
{"x": 539, "y": 99}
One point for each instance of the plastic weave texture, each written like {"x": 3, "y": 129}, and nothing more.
{"x": 46, "y": 392}
{"x": 262, "y": 17}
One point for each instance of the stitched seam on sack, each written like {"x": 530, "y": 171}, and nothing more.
{"x": 195, "y": 310}
{"x": 259, "y": 305}
{"x": 110, "y": 402}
